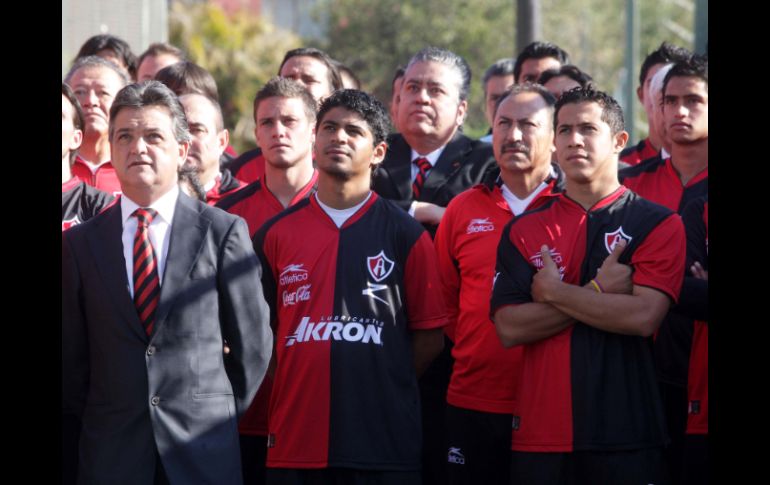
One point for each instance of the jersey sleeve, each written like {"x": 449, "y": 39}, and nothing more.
{"x": 449, "y": 271}
{"x": 513, "y": 275}
{"x": 424, "y": 301}
{"x": 658, "y": 262}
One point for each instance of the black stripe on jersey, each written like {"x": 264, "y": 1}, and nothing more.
{"x": 651, "y": 164}
{"x": 236, "y": 165}
{"x": 227, "y": 202}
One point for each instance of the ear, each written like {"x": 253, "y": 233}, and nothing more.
{"x": 184, "y": 147}
{"x": 462, "y": 109}
{"x": 620, "y": 139}
{"x": 77, "y": 139}
{"x": 378, "y": 154}
{"x": 640, "y": 94}
{"x": 223, "y": 139}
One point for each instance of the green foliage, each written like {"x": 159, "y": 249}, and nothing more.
{"x": 241, "y": 51}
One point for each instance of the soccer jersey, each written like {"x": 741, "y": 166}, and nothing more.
{"x": 484, "y": 374}
{"x": 80, "y": 202}
{"x": 584, "y": 388}
{"x": 104, "y": 178}
{"x": 224, "y": 185}
{"x": 696, "y": 220}
{"x": 345, "y": 301}
{"x": 638, "y": 153}
{"x": 256, "y": 204}
{"x": 657, "y": 180}
{"x": 249, "y": 166}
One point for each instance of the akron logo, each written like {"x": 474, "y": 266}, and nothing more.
{"x": 611, "y": 239}
{"x": 379, "y": 266}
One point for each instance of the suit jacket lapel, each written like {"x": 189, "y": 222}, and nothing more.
{"x": 450, "y": 161}
{"x": 400, "y": 166}
{"x": 187, "y": 237}
{"x": 106, "y": 246}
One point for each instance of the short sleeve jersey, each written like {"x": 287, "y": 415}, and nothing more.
{"x": 638, "y": 153}
{"x": 104, "y": 178}
{"x": 585, "y": 388}
{"x": 345, "y": 301}
{"x": 249, "y": 166}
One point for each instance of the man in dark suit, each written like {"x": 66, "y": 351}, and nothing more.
{"x": 158, "y": 397}
{"x": 431, "y": 161}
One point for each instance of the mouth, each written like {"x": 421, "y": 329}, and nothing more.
{"x": 139, "y": 163}
{"x": 515, "y": 149}
{"x": 336, "y": 151}
{"x": 680, "y": 126}
{"x": 278, "y": 146}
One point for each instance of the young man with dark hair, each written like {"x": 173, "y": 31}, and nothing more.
{"x": 482, "y": 389}
{"x": 648, "y": 147}
{"x": 152, "y": 288}
{"x": 111, "y": 48}
{"x": 536, "y": 58}
{"x": 567, "y": 77}
{"x": 674, "y": 182}
{"x": 358, "y": 314}
{"x": 157, "y": 56}
{"x": 497, "y": 79}
{"x": 582, "y": 282}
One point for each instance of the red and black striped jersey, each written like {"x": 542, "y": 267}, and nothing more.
{"x": 104, "y": 178}
{"x": 345, "y": 302}
{"x": 696, "y": 222}
{"x": 80, "y": 202}
{"x": 224, "y": 185}
{"x": 249, "y": 166}
{"x": 585, "y": 388}
{"x": 633, "y": 155}
{"x": 484, "y": 373}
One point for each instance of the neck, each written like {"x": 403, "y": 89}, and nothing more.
{"x": 655, "y": 140}
{"x": 95, "y": 148}
{"x": 340, "y": 193}
{"x": 690, "y": 159}
{"x": 426, "y": 144}
{"x": 587, "y": 194}
{"x": 522, "y": 184}
{"x": 66, "y": 171}
{"x": 209, "y": 175}
{"x": 286, "y": 183}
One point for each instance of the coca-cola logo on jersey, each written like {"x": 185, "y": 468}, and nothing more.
{"x": 293, "y": 297}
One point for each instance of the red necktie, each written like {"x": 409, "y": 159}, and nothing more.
{"x": 424, "y": 166}
{"x": 146, "y": 282}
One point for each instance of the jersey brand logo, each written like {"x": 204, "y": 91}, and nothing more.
{"x": 537, "y": 260}
{"x": 456, "y": 456}
{"x": 293, "y": 273}
{"x": 293, "y": 297}
{"x": 611, "y": 239}
{"x": 66, "y": 224}
{"x": 379, "y": 266}
{"x": 347, "y": 329}
{"x": 480, "y": 225}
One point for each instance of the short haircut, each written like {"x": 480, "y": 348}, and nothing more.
{"x": 612, "y": 113}
{"x": 187, "y": 77}
{"x": 693, "y": 66}
{"x": 96, "y": 61}
{"x": 158, "y": 48}
{"x": 501, "y": 67}
{"x": 118, "y": 46}
{"x": 281, "y": 87}
{"x": 151, "y": 93}
{"x": 334, "y": 76}
{"x": 528, "y": 87}
{"x": 539, "y": 50}
{"x": 346, "y": 71}
{"x": 366, "y": 105}
{"x": 664, "y": 54}
{"x": 570, "y": 71}
{"x": 219, "y": 121}
{"x": 447, "y": 58}
{"x": 78, "y": 120}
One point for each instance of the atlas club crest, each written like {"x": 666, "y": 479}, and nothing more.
{"x": 611, "y": 239}
{"x": 379, "y": 266}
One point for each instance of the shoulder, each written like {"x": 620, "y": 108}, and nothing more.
{"x": 647, "y": 166}
{"x": 238, "y": 197}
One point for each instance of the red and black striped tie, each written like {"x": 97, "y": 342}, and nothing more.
{"x": 424, "y": 166}
{"x": 146, "y": 281}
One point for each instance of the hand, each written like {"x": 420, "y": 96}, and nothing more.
{"x": 546, "y": 278}
{"x": 615, "y": 277}
{"x": 428, "y": 213}
{"x": 698, "y": 271}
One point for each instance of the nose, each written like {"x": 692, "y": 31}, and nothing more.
{"x": 514, "y": 133}
{"x": 422, "y": 96}
{"x": 279, "y": 130}
{"x": 138, "y": 145}
{"x": 575, "y": 139}
{"x": 89, "y": 98}
{"x": 681, "y": 110}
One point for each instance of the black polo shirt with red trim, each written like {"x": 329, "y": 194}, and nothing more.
{"x": 585, "y": 388}
{"x": 345, "y": 302}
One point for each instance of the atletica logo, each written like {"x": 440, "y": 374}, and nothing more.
{"x": 349, "y": 329}
{"x": 537, "y": 260}
{"x": 293, "y": 273}
{"x": 300, "y": 294}
{"x": 480, "y": 225}
{"x": 455, "y": 456}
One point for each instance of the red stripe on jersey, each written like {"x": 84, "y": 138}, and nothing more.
{"x": 104, "y": 179}
{"x": 642, "y": 151}
{"x": 252, "y": 170}
{"x": 655, "y": 261}
{"x": 424, "y": 300}
{"x": 663, "y": 185}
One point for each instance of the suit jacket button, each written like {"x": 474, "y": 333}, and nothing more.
{"x": 151, "y": 350}
{"x": 155, "y": 400}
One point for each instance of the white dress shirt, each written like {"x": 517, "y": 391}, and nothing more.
{"x": 432, "y": 158}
